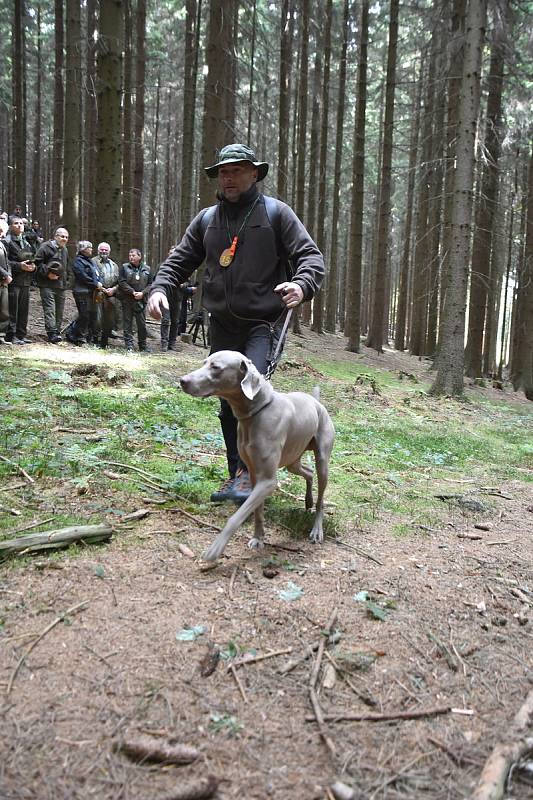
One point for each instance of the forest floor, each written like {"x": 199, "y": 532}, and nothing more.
{"x": 427, "y": 565}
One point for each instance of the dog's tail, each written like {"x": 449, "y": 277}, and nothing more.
{"x": 316, "y": 392}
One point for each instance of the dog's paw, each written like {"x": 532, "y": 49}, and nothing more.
{"x": 317, "y": 535}
{"x": 213, "y": 552}
{"x": 256, "y": 544}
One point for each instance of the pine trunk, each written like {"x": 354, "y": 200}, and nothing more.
{"x": 522, "y": 374}
{"x": 375, "y": 335}
{"x": 138, "y": 126}
{"x": 284, "y": 102}
{"x": 59, "y": 111}
{"x": 190, "y": 70}
{"x": 449, "y": 378}
{"x": 72, "y": 152}
{"x": 109, "y": 134}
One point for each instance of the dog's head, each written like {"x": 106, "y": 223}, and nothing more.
{"x": 224, "y": 374}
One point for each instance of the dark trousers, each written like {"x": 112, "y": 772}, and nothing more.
{"x": 106, "y": 318}
{"x": 53, "y": 301}
{"x": 85, "y": 326}
{"x": 4, "y": 308}
{"x": 130, "y": 311}
{"x": 19, "y": 307}
{"x": 169, "y": 322}
{"x": 257, "y": 343}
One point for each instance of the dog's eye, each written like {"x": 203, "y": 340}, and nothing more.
{"x": 216, "y": 367}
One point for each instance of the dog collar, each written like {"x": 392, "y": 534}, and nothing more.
{"x": 256, "y": 411}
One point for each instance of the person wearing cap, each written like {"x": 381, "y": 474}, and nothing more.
{"x": 51, "y": 277}
{"x": 86, "y": 283}
{"x": 246, "y": 287}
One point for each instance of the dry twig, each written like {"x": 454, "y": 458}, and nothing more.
{"x": 313, "y": 680}
{"x": 342, "y": 716}
{"x": 18, "y": 468}
{"x": 519, "y": 741}
{"x": 43, "y": 633}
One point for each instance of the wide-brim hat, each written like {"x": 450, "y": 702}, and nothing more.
{"x": 232, "y": 154}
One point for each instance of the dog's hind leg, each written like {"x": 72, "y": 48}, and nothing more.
{"x": 322, "y": 449}
{"x": 307, "y": 473}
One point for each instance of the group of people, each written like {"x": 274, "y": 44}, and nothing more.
{"x": 107, "y": 296}
{"x": 260, "y": 262}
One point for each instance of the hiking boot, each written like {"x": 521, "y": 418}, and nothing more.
{"x": 242, "y": 488}
{"x": 173, "y": 346}
{"x": 225, "y": 492}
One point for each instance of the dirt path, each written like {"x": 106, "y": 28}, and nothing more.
{"x": 456, "y": 633}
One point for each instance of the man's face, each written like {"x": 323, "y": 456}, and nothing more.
{"x": 235, "y": 179}
{"x": 134, "y": 257}
{"x": 104, "y": 252}
{"x": 17, "y": 227}
{"x": 61, "y": 237}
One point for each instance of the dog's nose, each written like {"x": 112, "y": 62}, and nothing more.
{"x": 184, "y": 382}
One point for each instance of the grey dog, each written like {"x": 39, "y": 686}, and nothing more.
{"x": 275, "y": 429}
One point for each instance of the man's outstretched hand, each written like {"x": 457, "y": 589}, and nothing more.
{"x": 157, "y": 304}
{"x": 291, "y": 293}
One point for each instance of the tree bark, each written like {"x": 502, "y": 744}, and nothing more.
{"x": 483, "y": 241}
{"x": 138, "y": 125}
{"x": 375, "y": 334}
{"x": 354, "y": 282}
{"x": 72, "y": 144}
{"x": 19, "y": 103}
{"x": 190, "y": 71}
{"x": 37, "y": 192}
{"x": 89, "y": 160}
{"x": 59, "y": 111}
{"x": 285, "y": 62}
{"x": 333, "y": 275}
{"x": 109, "y": 134}
{"x": 449, "y": 378}
{"x": 302, "y": 110}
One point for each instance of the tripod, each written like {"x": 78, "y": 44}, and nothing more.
{"x": 197, "y": 325}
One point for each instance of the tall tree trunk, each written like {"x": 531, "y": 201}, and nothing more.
{"x": 190, "y": 71}
{"x": 375, "y": 334}
{"x": 19, "y": 102}
{"x": 285, "y": 61}
{"x": 422, "y": 252}
{"x": 333, "y": 277}
{"x": 353, "y": 316}
{"x": 216, "y": 124}
{"x": 449, "y": 378}
{"x": 89, "y": 160}
{"x": 455, "y": 68}
{"x": 72, "y": 153}
{"x": 127, "y": 160}
{"x": 302, "y": 110}
{"x": 314, "y": 146}
{"x": 522, "y": 373}
{"x": 321, "y": 236}
{"x": 109, "y": 133}
{"x": 252, "y": 74}
{"x": 483, "y": 242}
{"x": 403, "y": 287}
{"x": 59, "y": 113}
{"x": 37, "y": 183}
{"x": 138, "y": 126}
{"x": 152, "y": 199}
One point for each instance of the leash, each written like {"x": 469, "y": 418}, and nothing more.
{"x": 274, "y": 360}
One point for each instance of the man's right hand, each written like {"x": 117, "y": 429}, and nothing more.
{"x": 156, "y": 304}
{"x": 27, "y": 266}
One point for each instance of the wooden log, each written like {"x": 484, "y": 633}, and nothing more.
{"x": 61, "y": 537}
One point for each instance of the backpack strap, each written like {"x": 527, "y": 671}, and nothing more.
{"x": 207, "y": 217}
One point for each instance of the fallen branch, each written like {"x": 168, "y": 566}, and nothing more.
{"x": 32, "y": 525}
{"x": 248, "y": 658}
{"x": 203, "y": 523}
{"x": 13, "y": 487}
{"x": 342, "y": 716}
{"x": 359, "y": 551}
{"x": 237, "y": 680}
{"x": 448, "y": 655}
{"x": 307, "y": 653}
{"x": 313, "y": 680}
{"x": 43, "y": 633}
{"x": 18, "y": 468}
{"x": 147, "y": 750}
{"x": 56, "y": 538}
{"x": 491, "y": 784}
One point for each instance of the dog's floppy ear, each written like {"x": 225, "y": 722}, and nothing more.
{"x": 251, "y": 383}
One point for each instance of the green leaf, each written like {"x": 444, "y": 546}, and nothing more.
{"x": 99, "y": 571}
{"x": 190, "y": 634}
{"x": 376, "y": 611}
{"x": 292, "y": 592}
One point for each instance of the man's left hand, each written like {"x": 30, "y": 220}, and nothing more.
{"x": 291, "y": 293}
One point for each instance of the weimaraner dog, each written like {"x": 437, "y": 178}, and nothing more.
{"x": 274, "y": 431}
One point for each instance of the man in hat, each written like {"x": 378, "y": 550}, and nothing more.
{"x": 247, "y": 241}
{"x": 51, "y": 261}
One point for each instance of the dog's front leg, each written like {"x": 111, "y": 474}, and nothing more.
{"x": 261, "y": 490}
{"x": 257, "y": 542}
